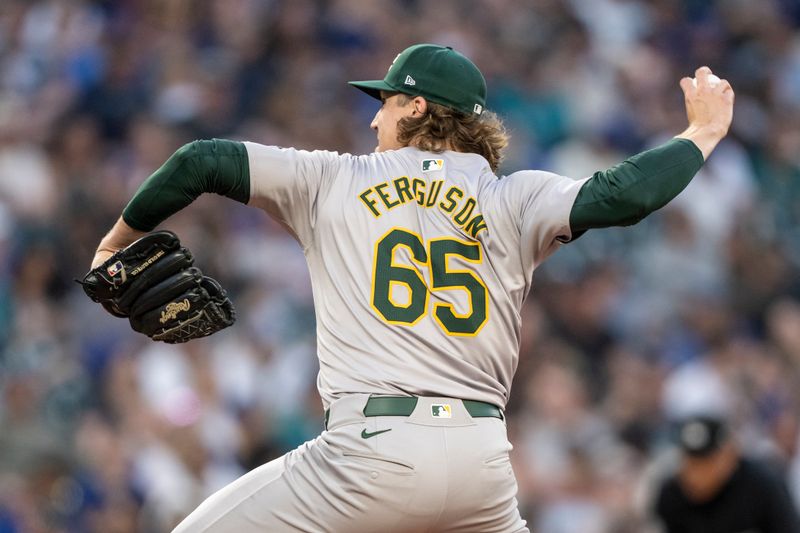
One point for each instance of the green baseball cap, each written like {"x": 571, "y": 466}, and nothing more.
{"x": 438, "y": 73}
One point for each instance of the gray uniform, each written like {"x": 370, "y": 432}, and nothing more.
{"x": 419, "y": 265}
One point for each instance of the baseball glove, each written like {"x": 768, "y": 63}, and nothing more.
{"x": 154, "y": 284}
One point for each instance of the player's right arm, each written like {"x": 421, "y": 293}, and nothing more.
{"x": 625, "y": 194}
{"x": 550, "y": 209}
{"x": 709, "y": 109}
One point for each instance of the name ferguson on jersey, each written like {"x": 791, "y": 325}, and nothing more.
{"x": 403, "y": 190}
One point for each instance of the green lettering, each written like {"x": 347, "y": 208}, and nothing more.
{"x": 402, "y": 186}
{"x": 449, "y": 197}
{"x": 385, "y": 197}
{"x": 369, "y": 203}
{"x": 436, "y": 186}
{"x": 466, "y": 212}
{"x": 475, "y": 225}
{"x": 419, "y": 192}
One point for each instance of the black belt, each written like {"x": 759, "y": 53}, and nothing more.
{"x": 405, "y": 405}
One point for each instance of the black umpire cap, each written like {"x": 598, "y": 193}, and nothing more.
{"x": 701, "y": 435}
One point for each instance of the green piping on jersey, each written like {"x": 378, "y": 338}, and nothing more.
{"x": 625, "y": 194}
{"x": 216, "y": 166}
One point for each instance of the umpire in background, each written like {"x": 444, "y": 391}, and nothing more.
{"x": 717, "y": 490}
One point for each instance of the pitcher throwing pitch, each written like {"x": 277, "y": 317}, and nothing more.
{"x": 420, "y": 259}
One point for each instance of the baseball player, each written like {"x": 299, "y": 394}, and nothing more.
{"x": 420, "y": 259}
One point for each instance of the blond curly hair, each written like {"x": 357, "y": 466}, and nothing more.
{"x": 442, "y": 128}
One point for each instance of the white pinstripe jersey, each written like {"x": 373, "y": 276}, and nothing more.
{"x": 419, "y": 263}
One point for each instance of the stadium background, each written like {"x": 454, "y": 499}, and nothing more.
{"x": 102, "y": 430}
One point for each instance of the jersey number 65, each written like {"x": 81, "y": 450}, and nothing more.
{"x": 386, "y": 273}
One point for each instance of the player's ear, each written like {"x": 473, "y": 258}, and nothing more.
{"x": 420, "y": 106}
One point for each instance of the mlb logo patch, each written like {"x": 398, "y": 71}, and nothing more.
{"x": 441, "y": 410}
{"x": 114, "y": 269}
{"x": 429, "y": 165}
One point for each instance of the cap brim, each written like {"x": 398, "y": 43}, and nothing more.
{"x": 373, "y": 87}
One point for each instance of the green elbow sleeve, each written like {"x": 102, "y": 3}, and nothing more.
{"x": 625, "y": 194}
{"x": 216, "y": 166}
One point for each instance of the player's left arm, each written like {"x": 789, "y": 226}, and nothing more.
{"x": 283, "y": 181}
{"x": 217, "y": 166}
{"x": 625, "y": 194}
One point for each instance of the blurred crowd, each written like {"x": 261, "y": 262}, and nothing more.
{"x": 102, "y": 430}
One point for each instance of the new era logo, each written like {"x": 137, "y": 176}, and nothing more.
{"x": 441, "y": 410}
{"x": 410, "y": 81}
{"x": 429, "y": 165}
{"x": 478, "y": 109}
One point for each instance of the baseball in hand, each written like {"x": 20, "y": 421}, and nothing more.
{"x": 712, "y": 80}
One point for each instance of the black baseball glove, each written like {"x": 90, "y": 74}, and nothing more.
{"x": 152, "y": 283}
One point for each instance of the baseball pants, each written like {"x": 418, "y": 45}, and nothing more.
{"x": 437, "y": 470}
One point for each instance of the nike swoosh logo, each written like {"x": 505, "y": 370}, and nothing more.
{"x": 365, "y": 434}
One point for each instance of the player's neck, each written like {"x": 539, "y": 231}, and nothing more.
{"x": 441, "y": 146}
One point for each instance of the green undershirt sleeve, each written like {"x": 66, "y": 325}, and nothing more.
{"x": 625, "y": 194}
{"x": 217, "y": 166}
